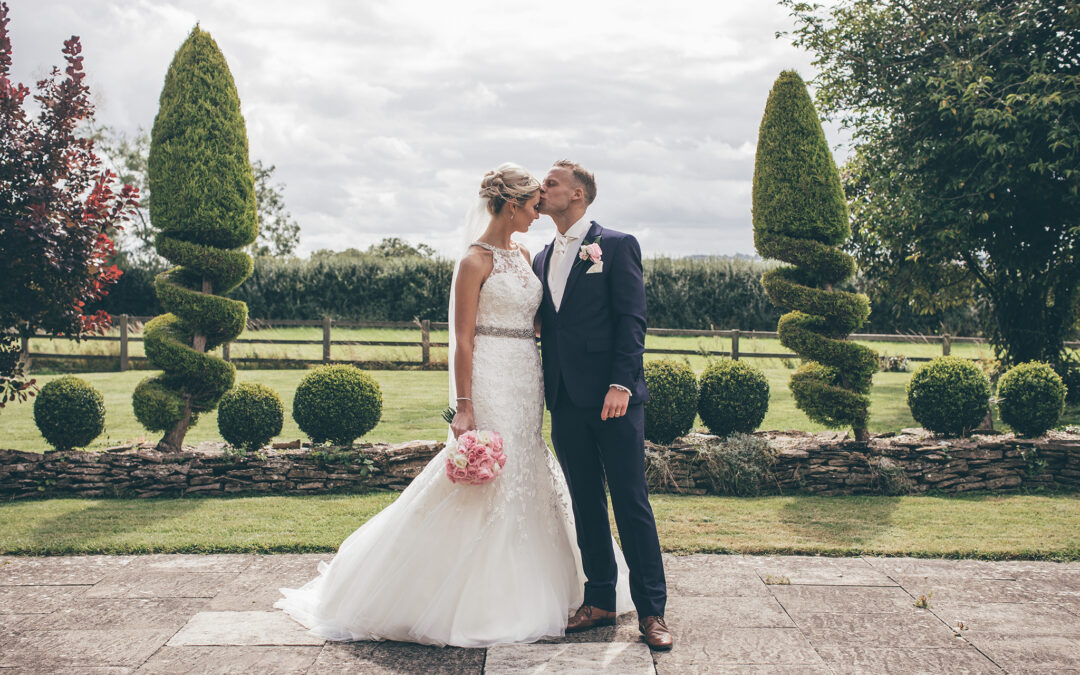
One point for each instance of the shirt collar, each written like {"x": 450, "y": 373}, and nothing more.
{"x": 579, "y": 229}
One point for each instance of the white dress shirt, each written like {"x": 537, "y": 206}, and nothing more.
{"x": 565, "y": 252}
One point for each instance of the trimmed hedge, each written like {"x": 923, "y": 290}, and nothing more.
{"x": 673, "y": 397}
{"x": 949, "y": 396}
{"x": 1031, "y": 398}
{"x": 733, "y": 396}
{"x": 250, "y": 415}
{"x": 800, "y": 217}
{"x": 69, "y": 413}
{"x": 337, "y": 403}
{"x": 202, "y": 200}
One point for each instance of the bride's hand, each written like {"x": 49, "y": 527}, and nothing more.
{"x": 463, "y": 420}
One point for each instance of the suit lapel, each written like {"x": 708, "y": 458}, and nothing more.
{"x": 544, "y": 266}
{"x": 578, "y": 269}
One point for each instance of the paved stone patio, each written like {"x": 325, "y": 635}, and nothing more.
{"x": 746, "y": 614}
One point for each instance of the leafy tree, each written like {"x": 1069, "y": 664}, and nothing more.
{"x": 203, "y": 202}
{"x": 279, "y": 233}
{"x": 800, "y": 218}
{"x": 394, "y": 247}
{"x": 57, "y": 207}
{"x": 965, "y": 116}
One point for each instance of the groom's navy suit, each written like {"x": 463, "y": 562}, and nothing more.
{"x": 595, "y": 339}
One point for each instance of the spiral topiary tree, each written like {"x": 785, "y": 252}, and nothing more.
{"x": 800, "y": 217}
{"x": 202, "y": 201}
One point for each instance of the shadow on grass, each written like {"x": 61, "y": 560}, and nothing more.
{"x": 106, "y": 526}
{"x": 843, "y": 523}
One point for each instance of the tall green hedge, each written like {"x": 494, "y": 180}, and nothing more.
{"x": 801, "y": 218}
{"x": 203, "y": 204}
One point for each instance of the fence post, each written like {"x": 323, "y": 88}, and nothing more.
{"x": 735, "y": 345}
{"x": 24, "y": 353}
{"x": 946, "y": 345}
{"x": 326, "y": 339}
{"x": 124, "y": 363}
{"x": 425, "y": 339}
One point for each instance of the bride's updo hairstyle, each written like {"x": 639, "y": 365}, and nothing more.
{"x": 508, "y": 183}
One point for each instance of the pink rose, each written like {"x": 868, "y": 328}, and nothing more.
{"x": 594, "y": 252}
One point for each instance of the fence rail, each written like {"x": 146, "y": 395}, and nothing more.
{"x": 124, "y": 322}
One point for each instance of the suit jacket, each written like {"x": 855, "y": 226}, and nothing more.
{"x": 597, "y": 337}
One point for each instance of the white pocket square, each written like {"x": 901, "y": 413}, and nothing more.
{"x": 595, "y": 269}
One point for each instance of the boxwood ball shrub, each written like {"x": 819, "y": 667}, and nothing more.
{"x": 338, "y": 403}
{"x": 673, "y": 392}
{"x": 69, "y": 412}
{"x": 949, "y": 396}
{"x": 733, "y": 396}
{"x": 1031, "y": 398}
{"x": 250, "y": 415}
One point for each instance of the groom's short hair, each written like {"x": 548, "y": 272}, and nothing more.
{"x": 588, "y": 182}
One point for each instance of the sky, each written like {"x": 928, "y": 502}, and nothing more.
{"x": 381, "y": 116}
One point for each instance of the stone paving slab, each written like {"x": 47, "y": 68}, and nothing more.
{"x": 577, "y": 657}
{"x": 205, "y": 660}
{"x": 729, "y": 614}
{"x": 243, "y": 628}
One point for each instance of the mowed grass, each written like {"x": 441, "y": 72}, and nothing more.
{"x": 414, "y": 400}
{"x": 1030, "y": 526}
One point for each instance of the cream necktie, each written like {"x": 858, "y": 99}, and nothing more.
{"x": 556, "y": 274}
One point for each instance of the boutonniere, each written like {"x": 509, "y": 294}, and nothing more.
{"x": 590, "y": 251}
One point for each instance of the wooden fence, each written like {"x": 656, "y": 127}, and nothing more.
{"x": 123, "y": 322}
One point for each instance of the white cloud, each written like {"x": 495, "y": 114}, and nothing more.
{"x": 381, "y": 116}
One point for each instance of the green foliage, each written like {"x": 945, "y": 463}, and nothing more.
{"x": 714, "y": 292}
{"x": 250, "y": 415}
{"x": 949, "y": 396}
{"x": 672, "y": 404}
{"x": 800, "y": 218}
{"x": 338, "y": 403}
{"x": 1031, "y": 398}
{"x": 359, "y": 287}
{"x": 733, "y": 396}
{"x": 69, "y": 413}
{"x": 201, "y": 183}
{"x": 738, "y": 465}
{"x": 965, "y": 183}
{"x": 395, "y": 247}
{"x": 279, "y": 233}
{"x": 203, "y": 206}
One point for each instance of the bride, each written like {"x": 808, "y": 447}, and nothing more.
{"x": 471, "y": 565}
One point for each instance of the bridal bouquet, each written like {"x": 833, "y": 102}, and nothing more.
{"x": 476, "y": 457}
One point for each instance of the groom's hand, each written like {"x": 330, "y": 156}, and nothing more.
{"x": 615, "y": 403}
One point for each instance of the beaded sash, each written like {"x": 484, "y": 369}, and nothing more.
{"x": 496, "y": 331}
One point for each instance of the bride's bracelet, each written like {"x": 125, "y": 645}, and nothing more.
{"x": 464, "y": 398}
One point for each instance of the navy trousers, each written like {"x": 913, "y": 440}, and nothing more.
{"x": 590, "y": 449}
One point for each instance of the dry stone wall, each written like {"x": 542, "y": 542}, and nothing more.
{"x": 910, "y": 462}
{"x": 821, "y": 463}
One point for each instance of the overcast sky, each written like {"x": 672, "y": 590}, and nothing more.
{"x": 381, "y": 116}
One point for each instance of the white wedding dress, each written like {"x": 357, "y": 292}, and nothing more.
{"x": 468, "y": 565}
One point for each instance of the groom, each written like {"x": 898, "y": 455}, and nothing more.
{"x": 593, "y": 337}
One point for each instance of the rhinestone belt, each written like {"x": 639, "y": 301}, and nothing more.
{"x": 495, "y": 331}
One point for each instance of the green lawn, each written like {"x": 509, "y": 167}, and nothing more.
{"x": 1036, "y": 526}
{"x": 412, "y": 403}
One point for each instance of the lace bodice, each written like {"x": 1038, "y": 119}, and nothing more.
{"x": 511, "y": 294}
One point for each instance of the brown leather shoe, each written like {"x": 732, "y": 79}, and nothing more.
{"x": 587, "y": 617}
{"x": 656, "y": 633}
